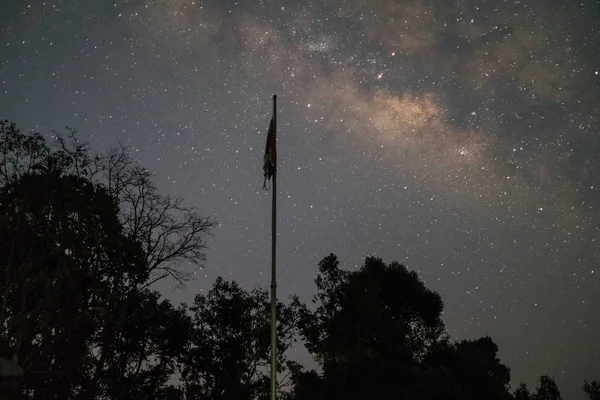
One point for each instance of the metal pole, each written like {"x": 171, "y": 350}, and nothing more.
{"x": 273, "y": 268}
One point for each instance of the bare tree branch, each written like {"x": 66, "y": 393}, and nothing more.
{"x": 169, "y": 231}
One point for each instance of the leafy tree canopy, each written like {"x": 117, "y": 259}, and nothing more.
{"x": 82, "y": 237}
{"x": 228, "y": 355}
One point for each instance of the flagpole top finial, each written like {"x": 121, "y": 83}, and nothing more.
{"x": 274, "y": 96}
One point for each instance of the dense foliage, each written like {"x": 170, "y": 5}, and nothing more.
{"x": 82, "y": 239}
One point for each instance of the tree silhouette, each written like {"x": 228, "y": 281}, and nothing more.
{"x": 592, "y": 389}
{"x": 81, "y": 238}
{"x": 144, "y": 355}
{"x": 370, "y": 328}
{"x": 171, "y": 233}
{"x": 547, "y": 389}
{"x": 469, "y": 369}
{"x": 228, "y": 356}
{"x": 360, "y": 313}
{"x": 522, "y": 393}
{"x": 64, "y": 243}
{"x": 377, "y": 332}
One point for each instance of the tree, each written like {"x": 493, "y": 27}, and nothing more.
{"x": 547, "y": 390}
{"x": 81, "y": 239}
{"x": 170, "y": 232}
{"x": 522, "y": 393}
{"x": 592, "y": 389}
{"x": 307, "y": 385}
{"x": 63, "y": 243}
{"x": 228, "y": 356}
{"x": 145, "y": 353}
{"x": 229, "y": 352}
{"x": 377, "y": 333}
{"x": 370, "y": 328}
{"x": 469, "y": 369}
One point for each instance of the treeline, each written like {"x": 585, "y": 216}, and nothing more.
{"x": 84, "y": 237}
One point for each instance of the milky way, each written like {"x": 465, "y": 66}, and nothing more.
{"x": 459, "y": 138}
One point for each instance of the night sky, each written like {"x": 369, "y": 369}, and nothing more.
{"x": 460, "y": 138}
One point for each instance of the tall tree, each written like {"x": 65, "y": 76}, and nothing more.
{"x": 171, "y": 233}
{"x": 81, "y": 237}
{"x": 229, "y": 351}
{"x": 377, "y": 333}
{"x": 62, "y": 254}
{"x": 371, "y": 327}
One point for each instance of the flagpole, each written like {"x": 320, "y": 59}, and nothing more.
{"x": 274, "y": 269}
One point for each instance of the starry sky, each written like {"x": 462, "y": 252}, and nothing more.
{"x": 459, "y": 138}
